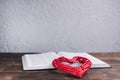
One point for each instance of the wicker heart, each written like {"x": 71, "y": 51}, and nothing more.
{"x": 75, "y": 71}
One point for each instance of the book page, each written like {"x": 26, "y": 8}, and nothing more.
{"x": 95, "y": 61}
{"x": 43, "y": 59}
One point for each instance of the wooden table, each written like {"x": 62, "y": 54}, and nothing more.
{"x": 11, "y": 69}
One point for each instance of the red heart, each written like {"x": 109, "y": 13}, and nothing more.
{"x": 75, "y": 71}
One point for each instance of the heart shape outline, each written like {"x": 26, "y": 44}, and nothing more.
{"x": 75, "y": 71}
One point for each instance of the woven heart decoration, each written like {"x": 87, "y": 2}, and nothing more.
{"x": 75, "y": 71}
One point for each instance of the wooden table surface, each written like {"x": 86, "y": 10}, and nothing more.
{"x": 11, "y": 69}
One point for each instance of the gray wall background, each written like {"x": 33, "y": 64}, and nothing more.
{"x": 59, "y": 25}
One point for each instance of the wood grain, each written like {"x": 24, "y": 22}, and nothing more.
{"x": 11, "y": 69}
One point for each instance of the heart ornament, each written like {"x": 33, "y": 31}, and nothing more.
{"x": 75, "y": 71}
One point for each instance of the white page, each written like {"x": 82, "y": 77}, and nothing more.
{"x": 38, "y": 61}
{"x": 42, "y": 59}
{"x": 96, "y": 63}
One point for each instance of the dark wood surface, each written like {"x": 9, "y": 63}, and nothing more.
{"x": 11, "y": 69}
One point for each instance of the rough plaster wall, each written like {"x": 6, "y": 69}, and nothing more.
{"x": 56, "y": 25}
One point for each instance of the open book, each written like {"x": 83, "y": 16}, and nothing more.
{"x": 44, "y": 60}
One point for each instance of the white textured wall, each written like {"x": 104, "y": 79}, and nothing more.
{"x": 56, "y": 25}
